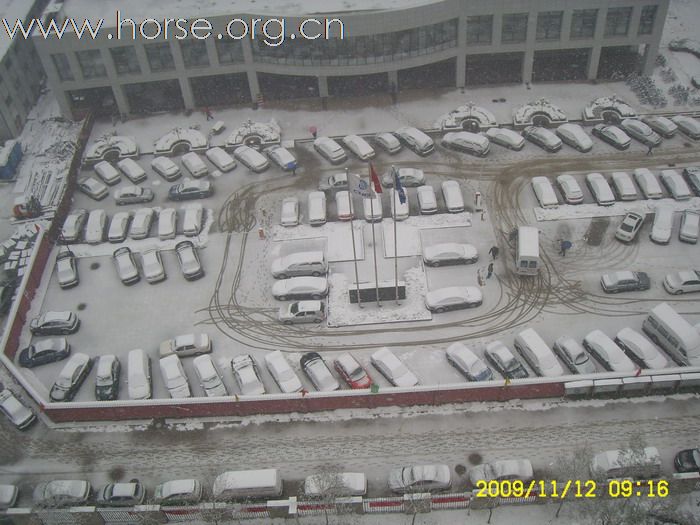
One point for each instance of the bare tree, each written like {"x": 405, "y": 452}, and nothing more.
{"x": 328, "y": 486}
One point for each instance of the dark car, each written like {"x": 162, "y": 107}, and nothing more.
{"x": 55, "y": 323}
{"x": 692, "y": 177}
{"x": 71, "y": 378}
{"x": 189, "y": 260}
{"x": 503, "y": 360}
{"x": 688, "y": 460}
{"x": 43, "y": 352}
{"x": 190, "y": 189}
{"x": 7, "y": 292}
{"x": 624, "y": 281}
{"x": 107, "y": 378}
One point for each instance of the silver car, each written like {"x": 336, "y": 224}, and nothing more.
{"x": 62, "y": 493}
{"x": 152, "y": 266}
{"x": 132, "y": 195}
{"x": 640, "y": 131}
{"x": 18, "y": 414}
{"x": 245, "y": 371}
{"x": 449, "y": 253}
{"x": 573, "y": 355}
{"x": 73, "y": 226}
{"x": 186, "y": 345}
{"x": 300, "y": 288}
{"x": 126, "y": 266}
{"x": 67, "y": 270}
{"x": 303, "y": 312}
{"x": 178, "y": 492}
{"x": 420, "y": 478}
{"x": 317, "y": 371}
{"x": 208, "y": 375}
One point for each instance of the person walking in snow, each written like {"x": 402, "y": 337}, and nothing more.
{"x": 207, "y": 112}
{"x": 650, "y": 151}
{"x": 493, "y": 252}
{"x": 489, "y": 271}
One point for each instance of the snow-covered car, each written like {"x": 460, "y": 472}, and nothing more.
{"x": 506, "y": 137}
{"x": 570, "y": 189}
{"x": 651, "y": 189}
{"x": 629, "y": 227}
{"x": 612, "y": 135}
{"x": 468, "y": 363}
{"x": 420, "y": 478}
{"x": 690, "y": 227}
{"x": 119, "y": 226}
{"x": 318, "y": 373}
{"x": 452, "y": 195}
{"x": 302, "y": 312}
{"x": 192, "y": 222}
{"x": 95, "y": 227}
{"x": 208, "y": 376}
{"x": 107, "y": 173}
{"x": 282, "y": 157}
{"x": 330, "y": 150}
{"x": 415, "y": 140}
{"x": 194, "y": 164}
{"x": 191, "y": 189}
{"x": 426, "y": 200}
{"x": 573, "y": 355}
{"x": 121, "y": 494}
{"x": 44, "y": 351}
{"x": 503, "y": 360}
{"x": 282, "y": 372}
{"x": 152, "y": 266}
{"x": 62, "y": 493}
{"x": 221, "y": 159}
{"x": 166, "y": 168}
{"x": 662, "y": 125}
{"x": 662, "y": 227}
{"x": 372, "y": 208}
{"x": 606, "y": 351}
{"x": 186, "y": 345}
{"x": 675, "y": 184}
{"x": 509, "y": 469}
{"x": 67, "y": 270}
{"x": 574, "y": 136}
{"x": 73, "y": 226}
{"x": 624, "y": 281}
{"x": 8, "y": 496}
{"x": 352, "y": 372}
{"x": 359, "y": 147}
{"x": 686, "y": 281}
{"x": 640, "y": 131}
{"x": 623, "y": 187}
{"x": 343, "y": 206}
{"x": 71, "y": 377}
{"x": 141, "y": 223}
{"x": 639, "y": 349}
{"x": 544, "y": 191}
{"x": 251, "y": 159}
{"x": 691, "y": 174}
{"x": 392, "y": 368}
{"x": 132, "y": 195}
{"x": 449, "y": 253}
{"x": 167, "y": 224}
{"x": 339, "y": 484}
{"x": 688, "y": 126}
{"x": 453, "y": 298}
{"x": 399, "y": 210}
{"x": 107, "y": 375}
{"x": 300, "y": 288}
{"x": 388, "y": 142}
{"x": 467, "y": 142}
{"x": 290, "y": 212}
{"x": 132, "y": 170}
{"x": 178, "y": 492}
{"x": 334, "y": 183}
{"x": 126, "y": 267}
{"x": 409, "y": 178}
{"x": 299, "y": 264}
{"x": 55, "y": 323}
{"x": 600, "y": 189}
{"x": 93, "y": 188}
{"x": 188, "y": 258}
{"x": 542, "y": 137}
{"x": 174, "y": 377}
{"x": 245, "y": 371}
{"x": 18, "y": 414}
{"x": 687, "y": 460}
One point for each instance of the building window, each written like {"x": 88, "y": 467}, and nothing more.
{"x": 549, "y": 25}
{"x": 583, "y": 23}
{"x": 479, "y": 29}
{"x": 159, "y": 57}
{"x": 194, "y": 53}
{"x": 514, "y": 28}
{"x": 646, "y": 22}
{"x": 617, "y": 23}
{"x": 125, "y": 60}
{"x": 91, "y": 63}
{"x": 229, "y": 51}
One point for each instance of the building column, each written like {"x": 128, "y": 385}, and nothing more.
{"x": 593, "y": 61}
{"x": 393, "y": 78}
{"x": 253, "y": 85}
{"x": 186, "y": 91}
{"x": 461, "y": 72}
{"x": 529, "y": 46}
{"x": 251, "y": 74}
{"x": 649, "y": 58}
{"x": 527, "y": 64}
{"x": 120, "y": 99}
{"x": 323, "y": 86}
{"x": 566, "y": 25}
{"x": 598, "y": 36}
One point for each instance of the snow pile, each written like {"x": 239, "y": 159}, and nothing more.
{"x": 342, "y": 313}
{"x": 470, "y": 111}
{"x": 267, "y": 133}
{"x": 584, "y": 211}
{"x": 542, "y": 106}
{"x": 687, "y": 45}
{"x": 337, "y": 234}
{"x": 166, "y": 145}
{"x": 594, "y": 110}
{"x": 125, "y": 145}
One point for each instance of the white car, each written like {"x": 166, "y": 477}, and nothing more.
{"x": 221, "y": 159}
{"x": 186, "y": 345}
{"x": 686, "y": 281}
{"x": 690, "y": 227}
{"x": 372, "y": 208}
{"x": 300, "y": 288}
{"x": 420, "y": 478}
{"x": 290, "y": 212}
{"x": 126, "y": 266}
{"x": 399, "y": 210}
{"x": 544, "y": 138}
{"x": 174, "y": 377}
{"x": 392, "y": 368}
{"x": 570, "y": 189}
{"x": 388, "y": 141}
{"x": 416, "y": 140}
{"x": 338, "y": 484}
{"x": 93, "y": 188}
{"x": 245, "y": 370}
{"x": 506, "y": 137}
{"x": 167, "y": 224}
{"x": 602, "y": 193}
{"x": 629, "y": 226}
{"x": 119, "y": 226}
{"x": 330, "y": 150}
{"x": 467, "y": 362}
{"x": 606, "y": 351}
{"x": 141, "y": 223}
{"x": 612, "y": 135}
{"x": 651, "y": 189}
{"x": 544, "y": 192}
{"x": 251, "y": 159}
{"x": 467, "y": 142}
{"x": 675, "y": 184}
{"x": 302, "y": 312}
{"x": 573, "y": 355}
{"x": 426, "y": 200}
{"x": 132, "y": 170}
{"x": 510, "y": 469}
{"x": 95, "y": 227}
{"x": 662, "y": 227}
{"x": 640, "y": 131}
{"x": 166, "y": 168}
{"x": 282, "y": 157}
{"x": 688, "y": 125}
{"x": 334, "y": 183}
{"x": 132, "y": 195}
{"x": 107, "y": 173}
{"x": 574, "y": 136}
{"x": 359, "y": 147}
{"x": 287, "y": 381}
{"x": 8, "y": 496}
{"x": 152, "y": 266}
{"x": 208, "y": 375}
{"x": 318, "y": 372}
{"x": 343, "y": 206}
{"x": 178, "y": 492}
{"x": 409, "y": 178}
{"x": 62, "y": 493}
{"x": 73, "y": 225}
{"x": 67, "y": 270}
{"x": 448, "y": 253}
{"x": 16, "y": 412}
{"x": 453, "y": 298}
{"x": 639, "y": 349}
{"x": 662, "y": 125}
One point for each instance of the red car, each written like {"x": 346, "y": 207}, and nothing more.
{"x": 352, "y": 372}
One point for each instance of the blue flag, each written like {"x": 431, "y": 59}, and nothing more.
{"x": 399, "y": 187}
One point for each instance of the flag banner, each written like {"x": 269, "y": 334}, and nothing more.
{"x": 359, "y": 186}
{"x": 398, "y": 186}
{"x": 375, "y": 180}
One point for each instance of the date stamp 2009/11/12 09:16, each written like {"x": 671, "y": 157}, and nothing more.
{"x": 572, "y": 488}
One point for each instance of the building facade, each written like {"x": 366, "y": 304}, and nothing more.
{"x": 422, "y": 43}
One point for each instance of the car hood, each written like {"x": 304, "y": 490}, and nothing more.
{"x": 673, "y": 280}
{"x": 396, "y": 479}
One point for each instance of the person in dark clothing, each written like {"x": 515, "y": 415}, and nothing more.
{"x": 650, "y": 151}
{"x": 493, "y": 252}
{"x": 489, "y": 271}
{"x": 207, "y": 112}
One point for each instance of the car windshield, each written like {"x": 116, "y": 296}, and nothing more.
{"x": 626, "y": 226}
{"x": 294, "y": 309}
{"x": 511, "y": 364}
{"x": 357, "y": 373}
{"x": 580, "y": 358}
{"x": 103, "y": 380}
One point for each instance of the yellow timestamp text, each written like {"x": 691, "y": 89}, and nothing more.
{"x": 572, "y": 488}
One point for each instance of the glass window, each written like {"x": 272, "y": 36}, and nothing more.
{"x": 479, "y": 29}
{"x": 617, "y": 22}
{"x": 159, "y": 57}
{"x": 549, "y": 25}
{"x": 646, "y": 22}
{"x": 125, "y": 60}
{"x": 230, "y": 51}
{"x": 194, "y": 53}
{"x": 514, "y": 28}
{"x": 583, "y": 23}
{"x": 91, "y": 63}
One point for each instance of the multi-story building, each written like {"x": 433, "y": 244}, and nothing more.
{"x": 408, "y": 44}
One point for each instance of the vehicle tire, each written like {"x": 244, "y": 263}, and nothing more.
{"x": 678, "y": 292}
{"x": 282, "y": 298}
{"x": 434, "y": 264}
{"x": 287, "y": 322}
{"x": 282, "y": 276}
{"x": 439, "y": 310}
{"x": 316, "y": 274}
{"x": 316, "y": 296}
{"x": 317, "y": 321}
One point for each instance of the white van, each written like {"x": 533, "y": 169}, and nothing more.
{"x": 343, "y": 205}
{"x": 166, "y": 168}
{"x": 675, "y": 184}
{"x": 426, "y": 200}
{"x": 167, "y": 220}
{"x": 300, "y": 264}
{"x": 222, "y": 160}
{"x": 245, "y": 484}
{"x": 416, "y": 140}
{"x": 690, "y": 226}
{"x": 647, "y": 183}
{"x": 527, "y": 254}
{"x": 194, "y": 164}
{"x": 452, "y": 194}
{"x": 623, "y": 186}
{"x": 574, "y": 136}
{"x": 359, "y": 147}
{"x": 600, "y": 189}
{"x": 192, "y": 224}
{"x": 139, "y": 375}
{"x": 95, "y": 227}
{"x": 544, "y": 192}
{"x": 316, "y": 208}
{"x": 141, "y": 223}
{"x": 133, "y": 171}
{"x": 538, "y": 355}
{"x": 399, "y": 211}
{"x": 613, "y": 464}
{"x": 107, "y": 173}
{"x": 674, "y": 334}
{"x": 662, "y": 226}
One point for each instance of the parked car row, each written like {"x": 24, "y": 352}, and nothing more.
{"x": 151, "y": 266}
{"x": 662, "y": 226}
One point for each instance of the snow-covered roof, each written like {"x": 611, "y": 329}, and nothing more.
{"x": 469, "y": 111}
{"x": 244, "y": 478}
{"x": 269, "y": 133}
{"x": 595, "y": 109}
{"x": 195, "y": 138}
{"x": 125, "y": 145}
{"x": 524, "y": 114}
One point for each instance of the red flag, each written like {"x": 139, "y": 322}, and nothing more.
{"x": 375, "y": 180}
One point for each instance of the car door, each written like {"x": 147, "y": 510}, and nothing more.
{"x": 693, "y": 285}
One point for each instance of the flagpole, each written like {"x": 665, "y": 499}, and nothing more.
{"x": 374, "y": 249}
{"x": 354, "y": 250}
{"x": 396, "y": 254}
